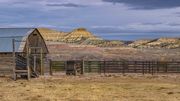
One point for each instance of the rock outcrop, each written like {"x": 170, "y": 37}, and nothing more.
{"x": 170, "y": 43}
{"x": 78, "y": 35}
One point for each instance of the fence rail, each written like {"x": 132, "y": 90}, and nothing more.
{"x": 123, "y": 66}
{"x": 21, "y": 62}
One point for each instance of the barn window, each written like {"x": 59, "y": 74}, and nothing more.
{"x": 34, "y": 34}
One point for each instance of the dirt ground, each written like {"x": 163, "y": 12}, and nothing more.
{"x": 110, "y": 87}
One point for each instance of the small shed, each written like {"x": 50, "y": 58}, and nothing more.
{"x": 22, "y": 51}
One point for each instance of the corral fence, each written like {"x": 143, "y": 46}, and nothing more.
{"x": 144, "y": 67}
{"x": 6, "y": 63}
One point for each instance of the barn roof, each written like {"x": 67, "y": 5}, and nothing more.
{"x": 7, "y": 34}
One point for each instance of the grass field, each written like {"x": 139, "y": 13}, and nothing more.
{"x": 92, "y": 88}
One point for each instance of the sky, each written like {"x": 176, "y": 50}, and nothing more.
{"x": 110, "y": 19}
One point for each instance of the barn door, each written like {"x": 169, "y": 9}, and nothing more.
{"x": 36, "y": 60}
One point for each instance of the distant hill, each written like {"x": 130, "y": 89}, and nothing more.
{"x": 103, "y": 43}
{"x": 82, "y": 36}
{"x": 78, "y": 35}
{"x": 165, "y": 43}
{"x": 169, "y": 43}
{"x": 139, "y": 43}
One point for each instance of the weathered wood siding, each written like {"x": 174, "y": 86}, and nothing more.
{"x": 36, "y": 40}
{"x": 6, "y": 63}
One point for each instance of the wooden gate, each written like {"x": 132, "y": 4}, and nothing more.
{"x": 69, "y": 67}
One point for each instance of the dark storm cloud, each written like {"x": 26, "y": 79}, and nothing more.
{"x": 148, "y": 4}
{"x": 65, "y": 5}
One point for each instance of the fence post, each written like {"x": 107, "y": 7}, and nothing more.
{"x": 119, "y": 67}
{"x": 14, "y": 60}
{"x": 178, "y": 63}
{"x": 135, "y": 66}
{"x": 28, "y": 60}
{"x": 104, "y": 64}
{"x": 124, "y": 67}
{"x": 50, "y": 65}
{"x": 166, "y": 67}
{"x": 83, "y": 67}
{"x": 65, "y": 66}
{"x": 157, "y": 65}
{"x": 143, "y": 66}
{"x": 89, "y": 66}
{"x": 152, "y": 67}
{"x": 100, "y": 67}
{"x": 149, "y": 67}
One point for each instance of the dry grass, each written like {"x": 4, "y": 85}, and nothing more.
{"x": 92, "y": 88}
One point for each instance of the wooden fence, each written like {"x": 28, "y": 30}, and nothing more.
{"x": 21, "y": 62}
{"x": 6, "y": 64}
{"x": 143, "y": 67}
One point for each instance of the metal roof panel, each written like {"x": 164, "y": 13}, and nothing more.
{"x": 7, "y": 34}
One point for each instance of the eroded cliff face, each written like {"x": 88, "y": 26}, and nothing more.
{"x": 78, "y": 36}
{"x": 169, "y": 43}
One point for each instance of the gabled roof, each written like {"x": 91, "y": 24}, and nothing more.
{"x": 7, "y": 34}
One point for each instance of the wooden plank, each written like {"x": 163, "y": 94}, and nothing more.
{"x": 42, "y": 69}
{"x": 28, "y": 58}
{"x": 50, "y": 72}
{"x": 21, "y": 71}
{"x": 14, "y": 59}
{"x": 82, "y": 67}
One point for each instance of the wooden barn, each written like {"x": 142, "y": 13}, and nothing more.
{"x": 22, "y": 51}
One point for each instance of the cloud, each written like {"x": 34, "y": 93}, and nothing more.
{"x": 150, "y": 23}
{"x": 174, "y": 24}
{"x": 18, "y": 2}
{"x": 148, "y": 4}
{"x": 177, "y": 14}
{"x": 65, "y": 5}
{"x": 139, "y": 28}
